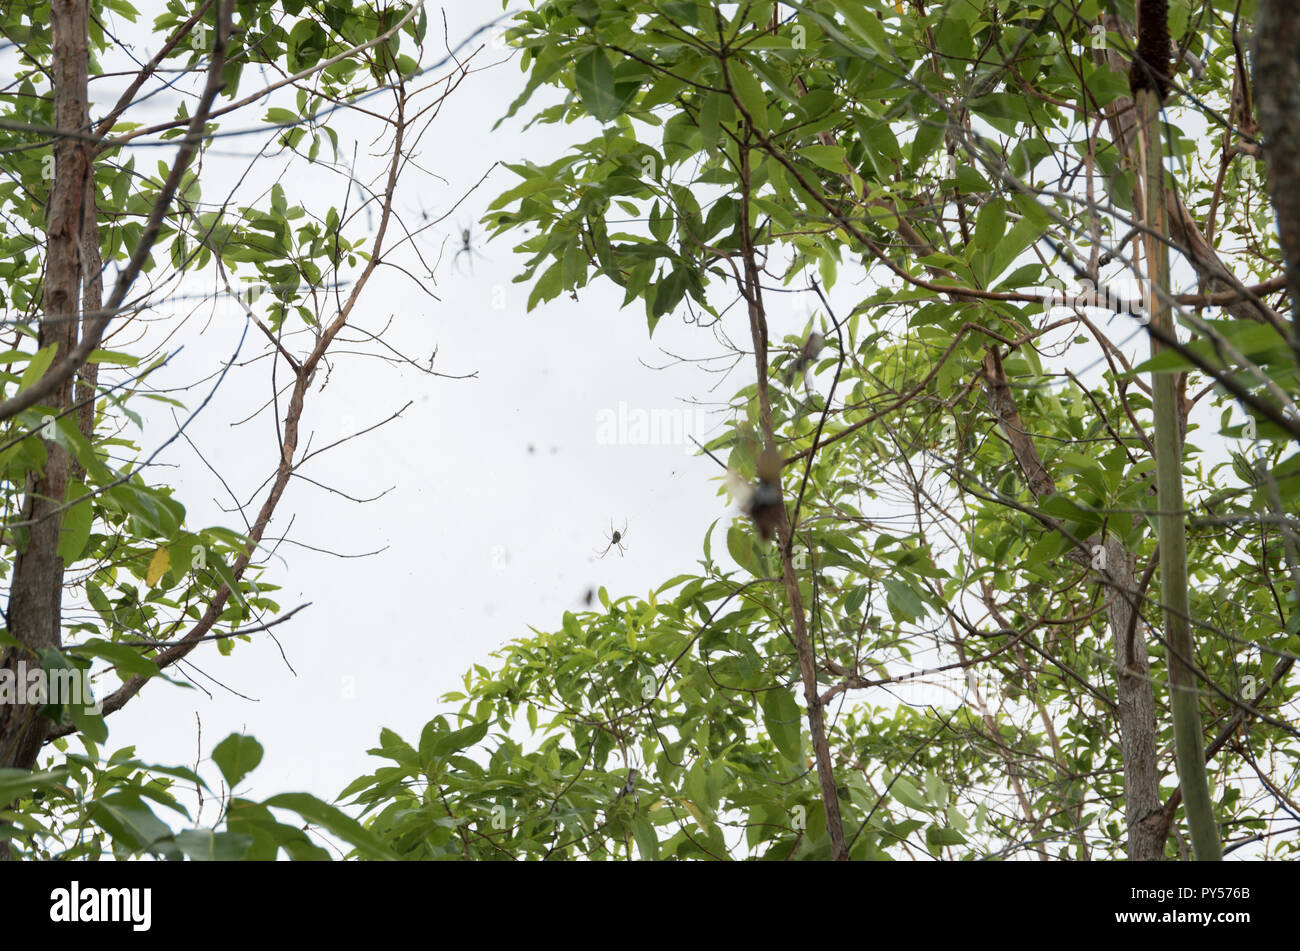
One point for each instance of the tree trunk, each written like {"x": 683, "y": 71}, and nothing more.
{"x": 1135, "y": 700}
{"x": 1277, "y": 96}
{"x": 36, "y": 593}
{"x": 1136, "y": 711}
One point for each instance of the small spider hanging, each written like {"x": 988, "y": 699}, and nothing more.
{"x": 616, "y": 539}
{"x": 466, "y": 247}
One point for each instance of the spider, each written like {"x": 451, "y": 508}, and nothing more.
{"x": 616, "y": 539}
{"x": 466, "y": 247}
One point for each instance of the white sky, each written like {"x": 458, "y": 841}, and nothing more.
{"x": 482, "y": 538}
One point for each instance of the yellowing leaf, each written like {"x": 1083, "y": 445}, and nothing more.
{"x": 158, "y": 565}
{"x": 694, "y": 811}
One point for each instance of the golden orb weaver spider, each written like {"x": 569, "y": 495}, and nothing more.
{"x": 615, "y": 539}
{"x": 467, "y": 248}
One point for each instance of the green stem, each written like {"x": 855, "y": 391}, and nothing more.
{"x": 1189, "y": 748}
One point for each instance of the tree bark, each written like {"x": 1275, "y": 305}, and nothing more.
{"x": 1136, "y": 709}
{"x": 752, "y": 290}
{"x": 1135, "y": 699}
{"x": 1186, "y": 233}
{"x": 36, "y": 594}
{"x": 1276, "y": 78}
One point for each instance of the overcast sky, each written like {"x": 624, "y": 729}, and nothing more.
{"x": 503, "y": 488}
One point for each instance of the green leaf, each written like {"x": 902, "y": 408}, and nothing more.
{"x": 237, "y": 755}
{"x": 903, "y": 602}
{"x": 647, "y": 842}
{"x": 740, "y": 544}
{"x": 127, "y": 660}
{"x": 991, "y": 224}
{"x": 853, "y": 603}
{"x": 205, "y": 845}
{"x": 865, "y": 24}
{"x": 77, "y": 519}
{"x": 682, "y": 11}
{"x": 601, "y": 96}
{"x": 710, "y": 117}
{"x": 784, "y": 722}
{"x": 548, "y": 286}
{"x": 132, "y": 823}
{"x": 336, "y": 822}
{"x": 903, "y": 790}
{"x": 699, "y": 789}
{"x": 829, "y": 157}
{"x": 1022, "y": 234}
{"x": 455, "y": 740}
{"x": 113, "y": 358}
{"x": 750, "y": 93}
{"x": 21, "y": 782}
{"x": 227, "y": 577}
{"x": 936, "y": 837}
{"x": 37, "y": 366}
{"x": 395, "y": 748}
